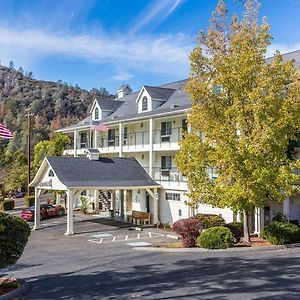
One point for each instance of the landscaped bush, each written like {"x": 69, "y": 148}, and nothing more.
{"x": 218, "y": 237}
{"x": 237, "y": 229}
{"x": 188, "y": 230}
{"x": 280, "y": 233}
{"x": 279, "y": 217}
{"x": 29, "y": 201}
{"x": 210, "y": 220}
{"x": 14, "y": 233}
{"x": 7, "y": 204}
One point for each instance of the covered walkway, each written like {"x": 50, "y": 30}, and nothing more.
{"x": 74, "y": 175}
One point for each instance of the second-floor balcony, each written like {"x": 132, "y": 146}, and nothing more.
{"x": 167, "y": 139}
{"x": 171, "y": 175}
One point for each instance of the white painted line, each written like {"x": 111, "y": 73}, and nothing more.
{"x": 101, "y": 241}
{"x": 101, "y": 235}
{"x": 126, "y": 237}
{"x": 139, "y": 244}
{"x": 138, "y": 236}
{"x": 172, "y": 236}
{"x": 114, "y": 239}
{"x": 92, "y": 241}
{"x": 150, "y": 234}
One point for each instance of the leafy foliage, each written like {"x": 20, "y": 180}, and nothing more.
{"x": 29, "y": 201}
{"x": 209, "y": 220}
{"x": 7, "y": 204}
{"x": 279, "y": 217}
{"x": 13, "y": 238}
{"x": 280, "y": 233}
{"x": 188, "y": 230}
{"x": 245, "y": 112}
{"x": 237, "y": 229}
{"x": 218, "y": 237}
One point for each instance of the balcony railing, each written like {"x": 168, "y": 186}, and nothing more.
{"x": 173, "y": 135}
{"x": 167, "y": 175}
{"x": 108, "y": 142}
{"x": 136, "y": 139}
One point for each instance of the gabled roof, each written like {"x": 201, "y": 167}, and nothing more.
{"x": 76, "y": 172}
{"x": 159, "y": 92}
{"x": 109, "y": 104}
{"x": 124, "y": 87}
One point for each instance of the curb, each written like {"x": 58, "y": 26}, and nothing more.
{"x": 22, "y": 289}
{"x": 232, "y": 250}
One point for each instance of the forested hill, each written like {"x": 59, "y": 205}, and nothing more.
{"x": 54, "y": 104}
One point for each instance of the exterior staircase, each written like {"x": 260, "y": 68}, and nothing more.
{"x": 104, "y": 200}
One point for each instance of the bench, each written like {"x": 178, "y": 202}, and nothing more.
{"x": 140, "y": 216}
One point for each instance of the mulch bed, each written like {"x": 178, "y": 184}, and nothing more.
{"x": 7, "y": 285}
{"x": 254, "y": 242}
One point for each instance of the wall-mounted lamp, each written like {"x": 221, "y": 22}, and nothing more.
{"x": 139, "y": 191}
{"x": 143, "y": 156}
{"x": 142, "y": 124}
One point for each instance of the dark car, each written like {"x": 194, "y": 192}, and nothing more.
{"x": 47, "y": 211}
{"x": 20, "y": 195}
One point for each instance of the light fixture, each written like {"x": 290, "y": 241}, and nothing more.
{"x": 143, "y": 156}
{"x": 142, "y": 124}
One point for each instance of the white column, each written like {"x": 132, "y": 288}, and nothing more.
{"x": 286, "y": 208}
{"x": 114, "y": 201}
{"x": 151, "y": 147}
{"x": 120, "y": 139}
{"x": 96, "y": 200}
{"x": 121, "y": 197}
{"x": 96, "y": 139}
{"x": 75, "y": 142}
{"x": 259, "y": 220}
{"x": 125, "y": 203}
{"x": 37, "y": 208}
{"x": 155, "y": 207}
{"x": 70, "y": 224}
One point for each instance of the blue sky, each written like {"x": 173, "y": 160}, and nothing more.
{"x": 96, "y": 43}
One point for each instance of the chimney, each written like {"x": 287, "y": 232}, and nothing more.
{"x": 123, "y": 91}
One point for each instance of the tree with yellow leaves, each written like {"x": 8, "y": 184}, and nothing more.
{"x": 244, "y": 113}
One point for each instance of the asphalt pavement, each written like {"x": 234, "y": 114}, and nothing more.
{"x": 72, "y": 267}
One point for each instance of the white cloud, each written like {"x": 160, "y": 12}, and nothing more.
{"x": 155, "y": 13}
{"x": 164, "y": 54}
{"x": 122, "y": 76}
{"x": 282, "y": 48}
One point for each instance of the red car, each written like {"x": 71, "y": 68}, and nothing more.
{"x": 47, "y": 211}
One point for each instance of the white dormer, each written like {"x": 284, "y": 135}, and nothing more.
{"x": 144, "y": 101}
{"x": 123, "y": 91}
{"x": 96, "y": 111}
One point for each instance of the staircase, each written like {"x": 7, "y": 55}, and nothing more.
{"x": 104, "y": 200}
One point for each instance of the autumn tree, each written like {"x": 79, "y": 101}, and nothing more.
{"x": 245, "y": 111}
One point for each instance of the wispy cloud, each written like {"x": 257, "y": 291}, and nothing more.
{"x": 282, "y": 48}
{"x": 164, "y": 54}
{"x": 155, "y": 13}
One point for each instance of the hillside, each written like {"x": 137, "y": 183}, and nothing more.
{"x": 54, "y": 104}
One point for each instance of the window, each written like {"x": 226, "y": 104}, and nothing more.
{"x": 184, "y": 125}
{"x": 166, "y": 131}
{"x": 144, "y": 103}
{"x": 111, "y": 137}
{"x": 166, "y": 165}
{"x": 83, "y": 140}
{"x": 96, "y": 113}
{"x": 125, "y": 135}
{"x": 173, "y": 196}
{"x": 51, "y": 173}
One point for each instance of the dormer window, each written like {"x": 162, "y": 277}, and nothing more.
{"x": 96, "y": 113}
{"x": 144, "y": 104}
{"x": 51, "y": 173}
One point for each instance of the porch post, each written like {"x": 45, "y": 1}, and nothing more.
{"x": 125, "y": 203}
{"x": 37, "y": 208}
{"x": 75, "y": 142}
{"x": 120, "y": 139}
{"x": 69, "y": 213}
{"x": 95, "y": 139}
{"x": 155, "y": 207}
{"x": 286, "y": 208}
{"x": 96, "y": 200}
{"x": 122, "y": 203}
{"x": 151, "y": 147}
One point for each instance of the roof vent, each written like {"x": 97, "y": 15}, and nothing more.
{"x": 124, "y": 90}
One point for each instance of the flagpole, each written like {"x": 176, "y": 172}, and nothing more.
{"x": 29, "y": 114}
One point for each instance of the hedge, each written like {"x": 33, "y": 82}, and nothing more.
{"x": 7, "y": 204}
{"x": 14, "y": 234}
{"x": 209, "y": 220}
{"x": 237, "y": 229}
{"x": 29, "y": 201}
{"x": 218, "y": 237}
{"x": 280, "y": 233}
{"x": 188, "y": 230}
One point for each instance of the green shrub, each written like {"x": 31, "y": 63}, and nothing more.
{"x": 279, "y": 217}
{"x": 218, "y": 237}
{"x": 210, "y": 220}
{"x": 29, "y": 201}
{"x": 237, "y": 229}
{"x": 7, "y": 204}
{"x": 13, "y": 238}
{"x": 280, "y": 233}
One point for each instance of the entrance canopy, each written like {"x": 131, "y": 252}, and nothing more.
{"x": 73, "y": 174}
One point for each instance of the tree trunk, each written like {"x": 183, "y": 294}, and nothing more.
{"x": 246, "y": 227}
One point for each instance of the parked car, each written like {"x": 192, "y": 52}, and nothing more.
{"x": 47, "y": 211}
{"x": 20, "y": 195}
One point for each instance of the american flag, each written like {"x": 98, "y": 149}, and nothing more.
{"x": 100, "y": 127}
{"x": 5, "y": 133}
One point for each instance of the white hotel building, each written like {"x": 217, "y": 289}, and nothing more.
{"x": 148, "y": 125}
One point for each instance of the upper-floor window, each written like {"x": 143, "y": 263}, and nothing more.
{"x": 51, "y": 173}
{"x": 166, "y": 165}
{"x": 166, "y": 131}
{"x": 96, "y": 113}
{"x": 111, "y": 137}
{"x": 144, "y": 103}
